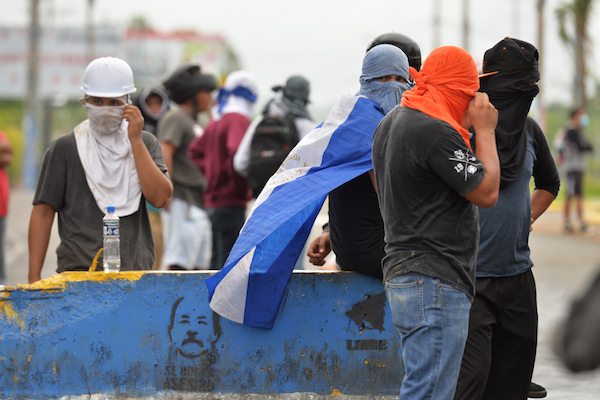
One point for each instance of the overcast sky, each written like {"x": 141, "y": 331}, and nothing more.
{"x": 325, "y": 40}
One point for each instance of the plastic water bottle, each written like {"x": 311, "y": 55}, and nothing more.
{"x": 112, "y": 242}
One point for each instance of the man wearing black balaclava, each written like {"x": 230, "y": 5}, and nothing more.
{"x": 500, "y": 352}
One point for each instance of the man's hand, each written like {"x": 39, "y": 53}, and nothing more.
{"x": 319, "y": 249}
{"x": 482, "y": 114}
{"x": 484, "y": 117}
{"x": 136, "y": 122}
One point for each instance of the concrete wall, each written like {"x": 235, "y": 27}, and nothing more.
{"x": 153, "y": 335}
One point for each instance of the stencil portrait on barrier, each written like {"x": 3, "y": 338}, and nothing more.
{"x": 193, "y": 330}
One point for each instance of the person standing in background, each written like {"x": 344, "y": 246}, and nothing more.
{"x": 289, "y": 109}
{"x": 292, "y": 103}
{"x": 226, "y": 194}
{"x": 574, "y": 165}
{"x": 188, "y": 237}
{"x": 153, "y": 103}
{"x": 6, "y": 155}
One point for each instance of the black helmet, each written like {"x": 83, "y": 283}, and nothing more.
{"x": 186, "y": 81}
{"x": 404, "y": 43}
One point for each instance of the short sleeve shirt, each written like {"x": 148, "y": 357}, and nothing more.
{"x": 424, "y": 169}
{"x": 504, "y": 242}
{"x": 62, "y": 185}
{"x": 178, "y": 128}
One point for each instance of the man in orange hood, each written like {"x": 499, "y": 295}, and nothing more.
{"x": 429, "y": 183}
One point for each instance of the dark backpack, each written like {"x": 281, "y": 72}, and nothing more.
{"x": 273, "y": 139}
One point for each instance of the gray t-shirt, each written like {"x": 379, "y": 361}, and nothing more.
{"x": 179, "y": 128}
{"x": 576, "y": 146}
{"x": 504, "y": 241}
{"x": 63, "y": 185}
{"x": 423, "y": 169}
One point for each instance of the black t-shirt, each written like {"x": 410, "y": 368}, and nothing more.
{"x": 423, "y": 169}
{"x": 356, "y": 227}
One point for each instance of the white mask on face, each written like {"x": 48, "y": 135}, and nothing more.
{"x": 104, "y": 120}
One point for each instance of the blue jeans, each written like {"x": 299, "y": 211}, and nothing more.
{"x": 433, "y": 320}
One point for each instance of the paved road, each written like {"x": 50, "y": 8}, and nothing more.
{"x": 563, "y": 267}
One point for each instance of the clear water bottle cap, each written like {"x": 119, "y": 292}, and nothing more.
{"x": 110, "y": 209}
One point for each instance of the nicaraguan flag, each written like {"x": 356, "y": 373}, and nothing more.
{"x": 251, "y": 285}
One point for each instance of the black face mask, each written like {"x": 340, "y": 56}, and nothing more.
{"x": 512, "y": 94}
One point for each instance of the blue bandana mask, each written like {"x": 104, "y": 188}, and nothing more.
{"x": 584, "y": 121}
{"x": 387, "y": 94}
{"x": 383, "y": 60}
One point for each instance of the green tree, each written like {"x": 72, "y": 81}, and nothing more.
{"x": 139, "y": 22}
{"x": 573, "y": 19}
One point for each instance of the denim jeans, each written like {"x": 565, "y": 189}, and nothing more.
{"x": 433, "y": 320}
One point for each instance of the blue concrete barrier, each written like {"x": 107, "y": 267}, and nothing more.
{"x": 136, "y": 334}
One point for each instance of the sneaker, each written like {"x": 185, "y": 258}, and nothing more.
{"x": 536, "y": 391}
{"x": 584, "y": 227}
{"x": 568, "y": 227}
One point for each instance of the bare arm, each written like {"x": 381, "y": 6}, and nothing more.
{"x": 540, "y": 201}
{"x": 373, "y": 180}
{"x": 156, "y": 186}
{"x": 40, "y": 226}
{"x": 168, "y": 150}
{"x": 484, "y": 117}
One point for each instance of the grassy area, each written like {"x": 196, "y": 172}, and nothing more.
{"x": 63, "y": 120}
{"x": 11, "y": 119}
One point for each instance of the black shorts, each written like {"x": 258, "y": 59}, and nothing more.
{"x": 575, "y": 183}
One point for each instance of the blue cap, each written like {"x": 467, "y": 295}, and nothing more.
{"x": 110, "y": 209}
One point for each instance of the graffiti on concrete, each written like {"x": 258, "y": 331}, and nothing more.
{"x": 193, "y": 332}
{"x": 190, "y": 328}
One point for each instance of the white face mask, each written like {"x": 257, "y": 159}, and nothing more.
{"x": 104, "y": 120}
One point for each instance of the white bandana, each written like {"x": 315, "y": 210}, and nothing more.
{"x": 104, "y": 119}
{"x": 108, "y": 162}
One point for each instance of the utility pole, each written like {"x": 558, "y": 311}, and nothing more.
{"x": 466, "y": 31}
{"x": 436, "y": 23}
{"x": 540, "y": 46}
{"x": 31, "y": 155}
{"x": 89, "y": 33}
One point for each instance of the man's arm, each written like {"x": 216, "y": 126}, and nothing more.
{"x": 40, "y": 226}
{"x": 156, "y": 186}
{"x": 483, "y": 116}
{"x": 540, "y": 201}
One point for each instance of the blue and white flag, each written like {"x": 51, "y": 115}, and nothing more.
{"x": 251, "y": 285}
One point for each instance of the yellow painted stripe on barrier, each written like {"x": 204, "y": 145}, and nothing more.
{"x": 59, "y": 281}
